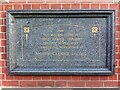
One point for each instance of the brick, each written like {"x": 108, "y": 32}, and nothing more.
{"x": 95, "y": 6}
{"x": 44, "y": 6}
{"x": 85, "y": 77}
{"x": 2, "y": 76}
{"x": 36, "y": 1}
{"x": 5, "y": 50}
{"x": 51, "y": 1}
{"x": 1, "y": 49}
{"x": 0, "y": 83}
{"x": 66, "y": 1}
{"x": 65, "y": 6}
{"x": 117, "y": 63}
{"x": 0, "y": 64}
{"x": 3, "y": 63}
{"x": 4, "y": 70}
{"x": 46, "y": 83}
{"x": 117, "y": 27}
{"x": 8, "y": 7}
{"x": 55, "y": 6}
{"x": 3, "y": 56}
{"x": 76, "y": 77}
{"x": 3, "y": 42}
{"x": 113, "y": 77}
{"x": 18, "y": 7}
{"x": 103, "y": 6}
{"x": 35, "y": 6}
{"x": 118, "y": 56}
{"x": 117, "y": 20}
{"x": 65, "y": 77}
{"x": 2, "y": 36}
{"x": 28, "y": 83}
{"x": 28, "y": 77}
{"x": 117, "y": 41}
{"x": 75, "y": 6}
{"x": 1, "y": 21}
{"x": 117, "y": 14}
{"x": 118, "y": 83}
{"x": 14, "y": 1}
{"x": 94, "y": 78}
{"x": 37, "y": 78}
{"x": 0, "y": 70}
{"x": 18, "y": 77}
{"x": 60, "y": 83}
{"x": 114, "y": 6}
{"x": 9, "y": 77}
{"x": 1, "y": 7}
{"x": 85, "y": 6}
{"x": 45, "y": 77}
{"x": 94, "y": 84}
{"x": 55, "y": 77}
{"x": 3, "y": 14}
{"x": 118, "y": 35}
{"x": 3, "y": 28}
{"x": 118, "y": 76}
{"x": 4, "y": 21}
{"x": 111, "y": 84}
{"x": 76, "y": 84}
{"x": 117, "y": 70}
{"x": 10, "y": 83}
{"x": 94, "y": 1}
{"x": 26, "y": 6}
{"x": 0, "y": 14}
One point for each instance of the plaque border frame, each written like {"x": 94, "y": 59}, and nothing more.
{"x": 14, "y": 70}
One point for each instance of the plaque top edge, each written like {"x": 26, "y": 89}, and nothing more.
{"x": 64, "y": 11}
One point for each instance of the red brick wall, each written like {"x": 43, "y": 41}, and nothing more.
{"x": 56, "y": 81}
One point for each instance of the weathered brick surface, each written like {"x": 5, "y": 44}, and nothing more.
{"x": 63, "y": 1}
{"x": 57, "y": 81}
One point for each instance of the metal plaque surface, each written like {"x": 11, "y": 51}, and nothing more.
{"x": 61, "y": 42}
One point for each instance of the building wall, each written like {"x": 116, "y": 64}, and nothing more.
{"x": 57, "y": 81}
